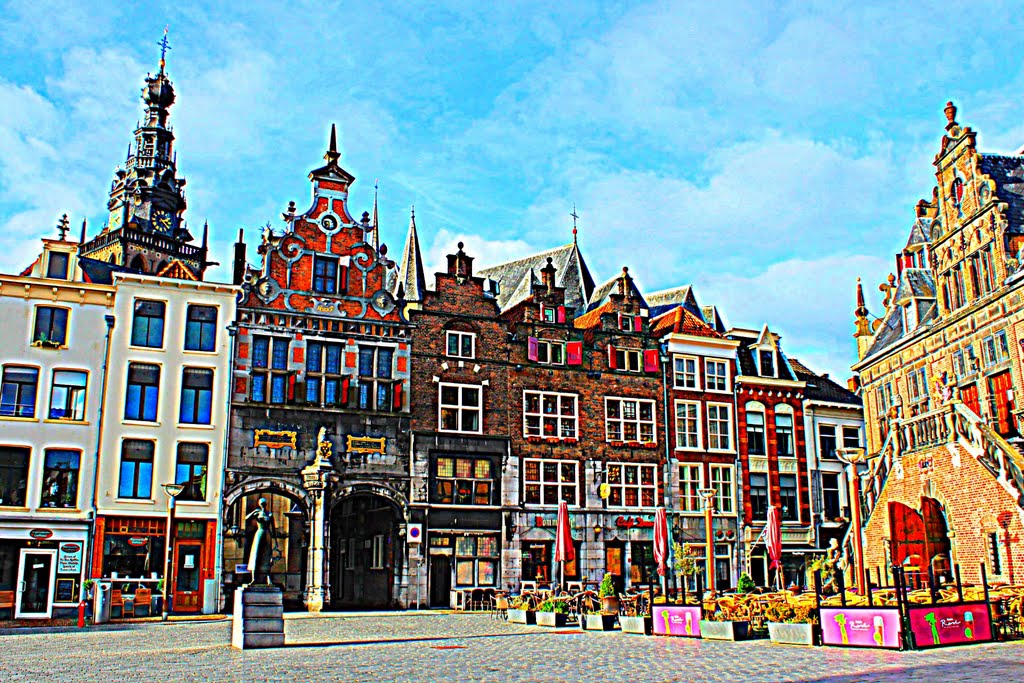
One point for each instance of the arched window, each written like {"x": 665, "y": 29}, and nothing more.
{"x": 956, "y": 192}
{"x": 755, "y": 428}
{"x": 138, "y": 263}
{"x": 784, "y": 431}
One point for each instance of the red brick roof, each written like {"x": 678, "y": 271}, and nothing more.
{"x": 682, "y": 321}
{"x": 593, "y": 318}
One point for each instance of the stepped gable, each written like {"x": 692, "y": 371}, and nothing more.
{"x": 603, "y": 293}
{"x": 1008, "y": 174}
{"x": 515, "y": 279}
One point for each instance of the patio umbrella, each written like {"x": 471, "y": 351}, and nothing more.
{"x": 773, "y": 541}
{"x": 564, "y": 549}
{"x": 661, "y": 540}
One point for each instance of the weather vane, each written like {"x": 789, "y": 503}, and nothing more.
{"x": 164, "y": 47}
{"x": 574, "y": 217}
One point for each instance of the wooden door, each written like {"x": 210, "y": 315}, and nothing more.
{"x": 1000, "y": 387}
{"x": 188, "y": 585}
{"x": 440, "y": 580}
{"x": 969, "y": 395}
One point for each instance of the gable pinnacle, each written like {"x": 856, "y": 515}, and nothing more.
{"x": 332, "y": 154}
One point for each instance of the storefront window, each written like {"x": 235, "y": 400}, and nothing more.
{"x": 60, "y": 479}
{"x": 131, "y": 556}
{"x": 463, "y": 481}
{"x": 476, "y": 560}
{"x": 642, "y": 567}
{"x": 13, "y": 475}
{"x": 537, "y": 561}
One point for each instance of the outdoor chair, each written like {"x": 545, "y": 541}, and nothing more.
{"x": 143, "y": 603}
{"x": 476, "y": 599}
{"x": 116, "y": 604}
{"x": 500, "y": 610}
{"x": 7, "y": 601}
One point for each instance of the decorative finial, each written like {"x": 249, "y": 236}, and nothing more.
{"x": 574, "y": 217}
{"x": 62, "y": 227}
{"x": 461, "y": 245}
{"x": 950, "y": 112}
{"x": 332, "y": 155}
{"x": 861, "y": 310}
{"x": 81, "y": 238}
{"x": 164, "y": 47}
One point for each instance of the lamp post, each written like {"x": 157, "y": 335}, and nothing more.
{"x": 853, "y": 457}
{"x": 172, "y": 491}
{"x": 708, "y": 498}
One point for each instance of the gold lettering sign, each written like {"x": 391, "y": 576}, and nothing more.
{"x": 365, "y": 444}
{"x": 272, "y": 439}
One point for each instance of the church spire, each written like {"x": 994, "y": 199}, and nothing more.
{"x": 376, "y": 225}
{"x": 863, "y": 333}
{"x": 332, "y": 155}
{"x": 410, "y": 274}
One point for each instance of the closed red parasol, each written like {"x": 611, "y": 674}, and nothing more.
{"x": 564, "y": 549}
{"x": 773, "y": 540}
{"x": 661, "y": 540}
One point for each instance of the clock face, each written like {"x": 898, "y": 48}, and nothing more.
{"x": 382, "y": 302}
{"x": 162, "y": 222}
{"x": 329, "y": 223}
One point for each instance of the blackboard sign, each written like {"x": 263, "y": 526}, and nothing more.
{"x": 65, "y": 590}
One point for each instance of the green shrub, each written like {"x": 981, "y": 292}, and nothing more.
{"x": 607, "y": 587}
{"x": 746, "y": 584}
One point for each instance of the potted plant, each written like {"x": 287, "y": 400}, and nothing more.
{"x": 553, "y": 613}
{"x": 606, "y": 591}
{"x": 636, "y": 618}
{"x": 520, "y": 611}
{"x": 791, "y": 624}
{"x": 724, "y": 619}
{"x": 594, "y": 619}
{"x": 745, "y": 584}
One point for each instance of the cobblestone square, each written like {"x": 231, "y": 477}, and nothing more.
{"x": 462, "y": 647}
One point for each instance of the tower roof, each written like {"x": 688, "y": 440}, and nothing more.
{"x": 516, "y": 277}
{"x": 410, "y": 273}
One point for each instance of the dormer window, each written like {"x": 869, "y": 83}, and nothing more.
{"x": 629, "y": 323}
{"x": 325, "y": 274}
{"x": 767, "y": 363}
{"x": 57, "y": 266}
{"x": 552, "y": 314}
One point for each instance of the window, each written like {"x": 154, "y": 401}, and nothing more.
{"x": 767, "y": 362}
{"x": 375, "y": 384}
{"x": 18, "y": 391}
{"x": 1002, "y": 349}
{"x": 549, "y": 482}
{"x": 959, "y": 368}
{"x": 201, "y": 328}
{"x": 549, "y": 414}
{"x": 461, "y": 344}
{"x": 461, "y": 409}
{"x": 685, "y": 373}
{"x": 548, "y": 314}
{"x": 67, "y": 396}
{"x": 917, "y": 386}
{"x": 788, "y": 498}
{"x": 627, "y": 360}
{"x": 476, "y": 560}
{"x": 269, "y": 354}
{"x": 633, "y": 485}
{"x": 136, "y": 469}
{"x": 851, "y": 437}
{"x": 716, "y": 375}
{"x": 143, "y": 392}
{"x": 721, "y": 482}
{"x": 629, "y": 420}
{"x": 988, "y": 351}
{"x": 689, "y": 486}
{"x": 57, "y": 266}
{"x": 377, "y": 552}
{"x": 719, "y": 426}
{"x": 60, "y": 478}
{"x": 463, "y": 481}
{"x": 190, "y": 470}
{"x": 993, "y": 553}
{"x": 830, "y": 495}
{"x": 827, "y": 441}
{"x": 687, "y": 425}
{"x": 758, "y": 495}
{"x": 626, "y": 323}
{"x": 196, "y": 396}
{"x": 784, "y": 434}
{"x": 755, "y": 431}
{"x": 13, "y": 475}
{"x": 324, "y": 383}
{"x": 325, "y": 274}
{"x": 148, "y": 324}
{"x": 987, "y": 274}
{"x": 51, "y": 326}
{"x": 549, "y": 352}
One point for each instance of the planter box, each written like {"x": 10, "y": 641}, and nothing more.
{"x": 552, "y": 619}
{"x": 641, "y": 625}
{"x": 793, "y": 634}
{"x": 522, "y": 616}
{"x": 724, "y": 630}
{"x": 599, "y": 622}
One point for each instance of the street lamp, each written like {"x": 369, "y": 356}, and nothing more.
{"x": 708, "y": 498}
{"x": 853, "y": 457}
{"x": 172, "y": 491}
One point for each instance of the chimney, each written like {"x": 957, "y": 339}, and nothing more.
{"x": 853, "y": 383}
{"x": 547, "y": 276}
{"x": 238, "y": 270}
{"x": 459, "y": 264}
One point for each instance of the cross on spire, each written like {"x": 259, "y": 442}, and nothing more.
{"x": 164, "y": 47}
{"x": 574, "y": 217}
{"x": 62, "y": 227}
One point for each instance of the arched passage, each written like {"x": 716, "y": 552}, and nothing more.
{"x": 367, "y": 551}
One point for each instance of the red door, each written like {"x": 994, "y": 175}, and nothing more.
{"x": 1000, "y": 389}
{"x": 969, "y": 395}
{"x": 188, "y": 585}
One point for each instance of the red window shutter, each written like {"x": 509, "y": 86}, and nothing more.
{"x": 398, "y": 396}
{"x": 611, "y": 357}
{"x": 344, "y": 391}
{"x": 531, "y": 348}
{"x": 574, "y": 353}
{"x": 561, "y": 314}
{"x": 291, "y": 388}
{"x": 637, "y": 323}
{"x": 651, "y": 360}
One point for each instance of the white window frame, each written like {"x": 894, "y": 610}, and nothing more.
{"x": 549, "y": 347}
{"x": 377, "y": 552}
{"x": 698, "y": 434}
{"x": 557, "y": 417}
{"x": 724, "y": 504}
{"x": 782, "y": 411}
{"x": 623, "y": 420}
{"x": 678, "y": 378}
{"x": 708, "y": 375}
{"x": 479, "y": 408}
{"x": 623, "y": 358}
{"x": 559, "y": 485}
{"x": 622, "y": 485}
{"x": 690, "y": 496}
{"x": 730, "y": 448}
{"x": 459, "y": 334}
{"x": 843, "y": 430}
{"x": 835, "y": 438}
{"x": 548, "y": 314}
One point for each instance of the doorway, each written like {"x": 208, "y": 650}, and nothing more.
{"x": 1000, "y": 391}
{"x": 36, "y": 571}
{"x": 188, "y": 596}
{"x": 367, "y": 552}
{"x": 440, "y": 580}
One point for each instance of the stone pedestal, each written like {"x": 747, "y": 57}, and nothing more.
{"x": 258, "y": 619}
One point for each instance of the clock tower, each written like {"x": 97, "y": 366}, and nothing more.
{"x": 145, "y": 229}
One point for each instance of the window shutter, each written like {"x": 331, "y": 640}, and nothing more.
{"x": 398, "y": 395}
{"x": 531, "y": 348}
{"x": 651, "y": 360}
{"x": 637, "y": 323}
{"x": 618, "y": 321}
{"x": 574, "y": 353}
{"x": 561, "y": 314}
{"x": 291, "y": 388}
{"x": 611, "y": 357}
{"x": 344, "y": 391}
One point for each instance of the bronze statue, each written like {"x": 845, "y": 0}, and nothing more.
{"x": 262, "y": 543}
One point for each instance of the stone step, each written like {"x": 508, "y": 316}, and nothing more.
{"x": 262, "y": 598}
{"x": 247, "y": 641}
{"x": 267, "y": 625}
{"x": 262, "y": 611}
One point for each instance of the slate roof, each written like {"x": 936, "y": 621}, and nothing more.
{"x": 915, "y": 283}
{"x": 410, "y": 273}
{"x": 1008, "y": 173}
{"x": 748, "y": 366}
{"x": 920, "y": 233}
{"x": 821, "y": 387}
{"x": 601, "y": 294}
{"x": 571, "y": 272}
{"x": 711, "y": 317}
{"x": 667, "y": 299}
{"x": 681, "y": 320}
{"x": 101, "y": 272}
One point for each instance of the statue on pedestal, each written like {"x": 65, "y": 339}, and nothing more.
{"x": 260, "y": 558}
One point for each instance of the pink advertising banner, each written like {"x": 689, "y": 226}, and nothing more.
{"x": 938, "y": 625}
{"x": 677, "y": 621}
{"x": 861, "y": 626}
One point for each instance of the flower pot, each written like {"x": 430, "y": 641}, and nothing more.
{"x": 641, "y": 625}
{"x": 793, "y": 634}
{"x": 522, "y": 616}
{"x": 551, "y": 619}
{"x": 610, "y": 604}
{"x": 724, "y": 630}
{"x": 599, "y": 622}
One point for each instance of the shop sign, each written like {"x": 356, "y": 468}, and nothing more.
{"x": 937, "y": 625}
{"x": 635, "y": 522}
{"x": 40, "y": 534}
{"x": 138, "y": 540}
{"x": 860, "y": 626}
{"x": 677, "y": 621}
{"x": 69, "y": 558}
{"x": 542, "y": 521}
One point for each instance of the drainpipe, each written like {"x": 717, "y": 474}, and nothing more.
{"x": 741, "y": 545}
{"x": 94, "y": 507}
{"x": 218, "y": 557}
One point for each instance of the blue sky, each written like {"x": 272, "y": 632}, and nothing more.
{"x": 767, "y": 154}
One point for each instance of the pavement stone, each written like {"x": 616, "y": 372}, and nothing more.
{"x": 423, "y": 646}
